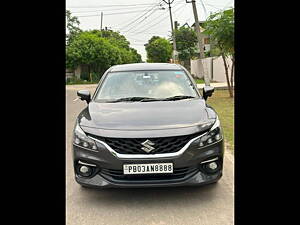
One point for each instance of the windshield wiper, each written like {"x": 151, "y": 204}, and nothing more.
{"x": 177, "y": 97}
{"x": 133, "y": 99}
{"x": 147, "y": 99}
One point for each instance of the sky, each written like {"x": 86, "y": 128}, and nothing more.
{"x": 139, "y": 20}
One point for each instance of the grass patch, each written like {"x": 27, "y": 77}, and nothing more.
{"x": 199, "y": 81}
{"x": 224, "y": 106}
{"x": 72, "y": 81}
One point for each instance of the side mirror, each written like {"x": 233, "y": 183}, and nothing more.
{"x": 208, "y": 91}
{"x": 84, "y": 95}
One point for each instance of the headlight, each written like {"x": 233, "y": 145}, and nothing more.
{"x": 213, "y": 135}
{"x": 82, "y": 140}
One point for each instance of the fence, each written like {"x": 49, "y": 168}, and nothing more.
{"x": 213, "y": 67}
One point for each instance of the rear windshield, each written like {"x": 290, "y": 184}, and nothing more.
{"x": 150, "y": 84}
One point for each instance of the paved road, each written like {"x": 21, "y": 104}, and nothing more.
{"x": 206, "y": 205}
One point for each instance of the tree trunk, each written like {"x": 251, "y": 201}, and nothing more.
{"x": 232, "y": 72}
{"x": 90, "y": 76}
{"x": 227, "y": 75}
{"x": 187, "y": 64}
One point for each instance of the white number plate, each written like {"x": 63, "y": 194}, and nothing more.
{"x": 148, "y": 168}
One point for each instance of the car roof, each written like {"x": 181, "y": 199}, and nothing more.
{"x": 145, "y": 66}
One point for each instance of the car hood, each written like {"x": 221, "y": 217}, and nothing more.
{"x": 145, "y": 116}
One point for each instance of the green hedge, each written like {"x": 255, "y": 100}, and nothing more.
{"x": 75, "y": 80}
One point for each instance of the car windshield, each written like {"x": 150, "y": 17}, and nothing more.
{"x": 141, "y": 85}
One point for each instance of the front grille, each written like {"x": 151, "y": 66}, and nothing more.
{"x": 178, "y": 174}
{"x": 134, "y": 145}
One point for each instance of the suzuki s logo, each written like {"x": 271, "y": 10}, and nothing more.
{"x": 147, "y": 146}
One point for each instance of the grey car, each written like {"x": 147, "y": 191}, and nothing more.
{"x": 147, "y": 125}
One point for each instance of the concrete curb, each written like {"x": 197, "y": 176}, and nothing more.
{"x": 217, "y": 86}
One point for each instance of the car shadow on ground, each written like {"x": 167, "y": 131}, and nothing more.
{"x": 152, "y": 196}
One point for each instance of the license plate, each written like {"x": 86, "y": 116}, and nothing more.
{"x": 148, "y": 168}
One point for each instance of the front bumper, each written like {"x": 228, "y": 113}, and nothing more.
{"x": 108, "y": 170}
{"x": 197, "y": 179}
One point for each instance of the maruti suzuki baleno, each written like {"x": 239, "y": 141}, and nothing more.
{"x": 147, "y": 125}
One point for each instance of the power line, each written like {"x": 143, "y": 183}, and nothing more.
{"x": 103, "y": 10}
{"x": 100, "y": 6}
{"x": 89, "y": 15}
{"x": 136, "y": 39}
{"x": 140, "y": 22}
{"x": 150, "y": 33}
{"x": 176, "y": 16}
{"x": 227, "y": 5}
{"x": 219, "y": 7}
{"x": 139, "y": 28}
{"x": 108, "y": 14}
{"x": 163, "y": 19}
{"x": 132, "y": 24}
{"x": 205, "y": 12}
{"x": 137, "y": 31}
{"x": 128, "y": 24}
{"x": 137, "y": 44}
{"x": 144, "y": 14}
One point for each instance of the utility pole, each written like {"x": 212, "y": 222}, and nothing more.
{"x": 173, "y": 33}
{"x": 200, "y": 44}
{"x": 176, "y": 25}
{"x": 101, "y": 20}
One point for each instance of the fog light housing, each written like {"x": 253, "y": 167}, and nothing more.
{"x": 212, "y": 165}
{"x": 85, "y": 171}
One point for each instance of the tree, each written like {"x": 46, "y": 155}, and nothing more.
{"x": 153, "y": 39}
{"x": 129, "y": 55}
{"x": 136, "y": 57}
{"x": 220, "y": 27}
{"x": 113, "y": 37}
{"x": 93, "y": 51}
{"x": 186, "y": 41}
{"x": 98, "y": 53}
{"x": 158, "y": 50}
{"x": 72, "y": 26}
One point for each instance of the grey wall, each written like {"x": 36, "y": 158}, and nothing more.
{"x": 218, "y": 68}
